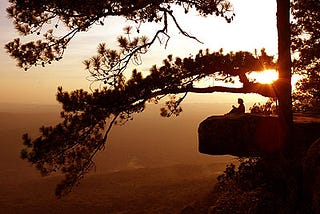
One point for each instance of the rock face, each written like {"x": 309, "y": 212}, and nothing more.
{"x": 311, "y": 174}
{"x": 250, "y": 135}
{"x": 239, "y": 135}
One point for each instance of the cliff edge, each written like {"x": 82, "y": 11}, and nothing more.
{"x": 250, "y": 135}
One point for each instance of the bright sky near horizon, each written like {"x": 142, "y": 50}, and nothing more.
{"x": 254, "y": 27}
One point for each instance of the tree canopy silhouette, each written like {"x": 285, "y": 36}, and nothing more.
{"x": 88, "y": 117}
{"x": 32, "y": 17}
{"x": 70, "y": 146}
{"x": 305, "y": 43}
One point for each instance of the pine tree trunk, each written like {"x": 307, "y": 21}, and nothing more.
{"x": 283, "y": 88}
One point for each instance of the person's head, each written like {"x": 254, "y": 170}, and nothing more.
{"x": 240, "y": 101}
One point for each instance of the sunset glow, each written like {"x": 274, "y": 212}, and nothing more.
{"x": 265, "y": 77}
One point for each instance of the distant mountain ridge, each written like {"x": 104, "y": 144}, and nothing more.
{"x": 29, "y": 108}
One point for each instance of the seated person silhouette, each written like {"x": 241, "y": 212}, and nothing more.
{"x": 238, "y": 110}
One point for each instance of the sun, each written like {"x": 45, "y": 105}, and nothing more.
{"x": 264, "y": 77}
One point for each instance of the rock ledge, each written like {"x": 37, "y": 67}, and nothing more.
{"x": 251, "y": 135}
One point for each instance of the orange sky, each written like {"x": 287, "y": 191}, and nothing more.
{"x": 253, "y": 27}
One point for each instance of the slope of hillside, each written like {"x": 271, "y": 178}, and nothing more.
{"x": 149, "y": 190}
{"x": 150, "y": 165}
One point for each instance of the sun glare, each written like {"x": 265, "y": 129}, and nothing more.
{"x": 265, "y": 77}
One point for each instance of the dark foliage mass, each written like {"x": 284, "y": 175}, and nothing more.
{"x": 306, "y": 44}
{"x": 257, "y": 186}
{"x": 268, "y": 108}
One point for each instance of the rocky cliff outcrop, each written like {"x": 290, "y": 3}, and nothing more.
{"x": 252, "y": 135}
{"x": 257, "y": 135}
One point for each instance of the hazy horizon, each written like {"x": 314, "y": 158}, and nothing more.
{"x": 165, "y": 138}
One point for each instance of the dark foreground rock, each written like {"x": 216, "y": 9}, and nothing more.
{"x": 253, "y": 135}
{"x": 311, "y": 175}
